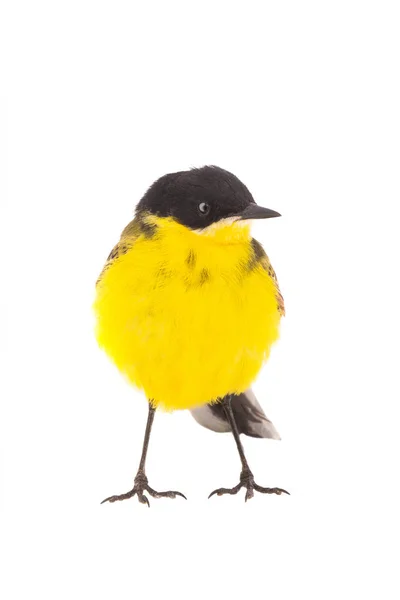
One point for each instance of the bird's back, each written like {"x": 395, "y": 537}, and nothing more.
{"x": 187, "y": 317}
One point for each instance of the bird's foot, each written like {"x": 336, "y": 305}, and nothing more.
{"x": 141, "y": 485}
{"x": 247, "y": 481}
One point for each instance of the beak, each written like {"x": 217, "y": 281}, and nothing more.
{"x": 253, "y": 211}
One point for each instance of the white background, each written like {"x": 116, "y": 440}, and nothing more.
{"x": 301, "y": 101}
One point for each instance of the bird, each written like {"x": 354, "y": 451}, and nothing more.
{"x": 188, "y": 307}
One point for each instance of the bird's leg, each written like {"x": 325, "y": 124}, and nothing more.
{"x": 141, "y": 484}
{"x": 246, "y": 476}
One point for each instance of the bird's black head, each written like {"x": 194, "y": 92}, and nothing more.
{"x": 200, "y": 197}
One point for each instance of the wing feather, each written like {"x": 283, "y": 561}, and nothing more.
{"x": 247, "y": 411}
{"x": 128, "y": 237}
{"x": 260, "y": 258}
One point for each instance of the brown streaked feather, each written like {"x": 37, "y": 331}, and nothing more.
{"x": 261, "y": 258}
{"x": 128, "y": 236}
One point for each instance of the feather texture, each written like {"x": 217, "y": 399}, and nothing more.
{"x": 188, "y": 318}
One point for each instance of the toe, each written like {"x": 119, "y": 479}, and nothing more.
{"x": 169, "y": 494}
{"x": 266, "y": 490}
{"x": 120, "y": 497}
{"x": 222, "y": 491}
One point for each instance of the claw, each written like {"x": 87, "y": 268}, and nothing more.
{"x": 143, "y": 499}
{"x": 106, "y": 500}
{"x": 218, "y": 492}
{"x": 249, "y": 494}
{"x": 180, "y": 494}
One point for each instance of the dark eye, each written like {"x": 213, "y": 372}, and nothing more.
{"x": 204, "y": 208}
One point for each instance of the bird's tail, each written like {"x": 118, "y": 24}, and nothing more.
{"x": 249, "y": 416}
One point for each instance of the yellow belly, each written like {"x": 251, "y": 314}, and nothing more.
{"x": 185, "y": 319}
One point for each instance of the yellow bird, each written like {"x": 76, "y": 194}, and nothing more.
{"x": 188, "y": 306}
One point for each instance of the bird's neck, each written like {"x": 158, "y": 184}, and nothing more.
{"x": 226, "y": 231}
{"x": 222, "y": 246}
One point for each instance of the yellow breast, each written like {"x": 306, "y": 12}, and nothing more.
{"x": 187, "y": 317}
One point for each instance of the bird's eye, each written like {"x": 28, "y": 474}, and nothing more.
{"x": 204, "y": 208}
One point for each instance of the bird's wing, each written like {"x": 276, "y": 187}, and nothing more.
{"x": 260, "y": 257}
{"x": 249, "y": 416}
{"x": 127, "y": 239}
